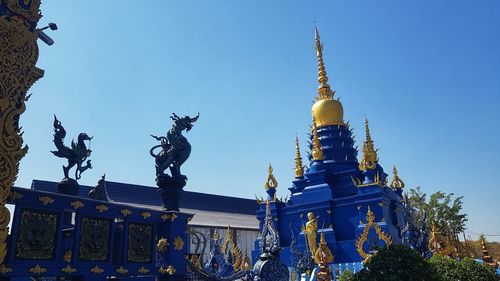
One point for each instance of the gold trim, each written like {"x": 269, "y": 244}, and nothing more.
{"x": 370, "y": 222}
{"x": 171, "y": 217}
{"x": 271, "y": 182}
{"x": 121, "y": 270}
{"x": 178, "y": 243}
{"x": 77, "y": 204}
{"x": 101, "y": 208}
{"x": 38, "y": 269}
{"x": 125, "y": 212}
{"x": 68, "y": 269}
{"x": 143, "y": 270}
{"x": 97, "y": 270}
{"x": 46, "y": 200}
{"x": 146, "y": 215}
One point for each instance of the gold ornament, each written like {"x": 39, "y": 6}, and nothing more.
{"x": 122, "y": 270}
{"x": 101, "y": 208}
{"x": 162, "y": 245}
{"x": 18, "y": 56}
{"x": 178, "y": 243}
{"x": 299, "y": 168}
{"x": 271, "y": 182}
{"x": 370, "y": 223}
{"x": 170, "y": 216}
{"x": 46, "y": 200}
{"x": 317, "y": 152}
{"x": 146, "y": 215}
{"x": 96, "y": 270}
{"x": 67, "y": 256}
{"x": 38, "y": 269}
{"x": 68, "y": 269}
{"x": 125, "y": 212}
{"x": 143, "y": 270}
{"x": 77, "y": 204}
{"x": 370, "y": 158}
{"x": 396, "y": 182}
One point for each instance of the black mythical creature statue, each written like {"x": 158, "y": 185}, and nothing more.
{"x": 175, "y": 148}
{"x": 76, "y": 154}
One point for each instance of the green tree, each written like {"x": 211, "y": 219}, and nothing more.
{"x": 346, "y": 275}
{"x": 441, "y": 209}
{"x": 464, "y": 270}
{"x": 395, "y": 263}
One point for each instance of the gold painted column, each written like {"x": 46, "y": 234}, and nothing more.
{"x": 18, "y": 56}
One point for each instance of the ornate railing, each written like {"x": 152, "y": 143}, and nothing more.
{"x": 66, "y": 236}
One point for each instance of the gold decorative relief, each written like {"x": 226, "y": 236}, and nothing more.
{"x": 122, "y": 270}
{"x": 67, "y": 256}
{"x": 162, "y": 245}
{"x": 143, "y": 270}
{"x": 125, "y": 212}
{"x": 101, "y": 208}
{"x": 139, "y": 243}
{"x": 178, "y": 243}
{"x": 68, "y": 269}
{"x": 146, "y": 215}
{"x": 46, "y": 200}
{"x": 370, "y": 223}
{"x": 77, "y": 204}
{"x": 171, "y": 217}
{"x": 37, "y": 269}
{"x": 14, "y": 196}
{"x": 4, "y": 269}
{"x": 97, "y": 270}
{"x": 37, "y": 235}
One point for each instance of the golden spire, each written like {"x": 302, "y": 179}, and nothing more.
{"x": 487, "y": 259}
{"x": 396, "y": 182}
{"x": 324, "y": 91}
{"x": 317, "y": 152}
{"x": 271, "y": 182}
{"x": 370, "y": 158}
{"x": 299, "y": 168}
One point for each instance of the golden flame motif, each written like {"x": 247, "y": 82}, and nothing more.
{"x": 77, "y": 204}
{"x": 68, "y": 269}
{"x": 396, "y": 182}
{"x": 46, "y": 200}
{"x": 317, "y": 152}
{"x": 101, "y": 208}
{"x": 146, "y": 215}
{"x": 96, "y": 270}
{"x": 38, "y": 269}
{"x": 125, "y": 212}
{"x": 122, "y": 270}
{"x": 178, "y": 243}
{"x": 271, "y": 182}
{"x": 143, "y": 270}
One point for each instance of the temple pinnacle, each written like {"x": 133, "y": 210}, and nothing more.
{"x": 299, "y": 168}
{"x": 317, "y": 152}
{"x": 370, "y": 158}
{"x": 324, "y": 91}
{"x": 271, "y": 182}
{"x": 396, "y": 182}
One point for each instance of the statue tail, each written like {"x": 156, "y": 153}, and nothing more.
{"x": 151, "y": 151}
{"x": 59, "y": 134}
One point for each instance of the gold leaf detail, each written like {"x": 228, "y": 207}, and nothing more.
{"x": 67, "y": 256}
{"x": 146, "y": 215}
{"x": 125, "y": 212}
{"x": 77, "y": 204}
{"x": 97, "y": 270}
{"x": 122, "y": 270}
{"x": 143, "y": 270}
{"x": 370, "y": 223}
{"x": 101, "y": 208}
{"x": 38, "y": 269}
{"x": 162, "y": 245}
{"x": 171, "y": 217}
{"x": 178, "y": 243}
{"x": 170, "y": 270}
{"x": 68, "y": 269}
{"x": 46, "y": 200}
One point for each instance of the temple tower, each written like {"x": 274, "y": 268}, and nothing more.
{"x": 346, "y": 202}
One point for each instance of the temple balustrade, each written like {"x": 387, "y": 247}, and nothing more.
{"x": 83, "y": 239}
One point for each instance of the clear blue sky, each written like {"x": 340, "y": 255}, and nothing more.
{"x": 426, "y": 73}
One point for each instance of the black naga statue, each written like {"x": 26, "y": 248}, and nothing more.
{"x": 175, "y": 149}
{"x": 76, "y": 154}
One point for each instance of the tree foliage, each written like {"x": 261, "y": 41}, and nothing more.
{"x": 441, "y": 209}
{"x": 465, "y": 270}
{"x": 397, "y": 262}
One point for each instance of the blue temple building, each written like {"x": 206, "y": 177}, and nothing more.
{"x": 348, "y": 201}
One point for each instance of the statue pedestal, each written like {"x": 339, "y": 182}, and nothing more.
{"x": 170, "y": 189}
{"x": 68, "y": 186}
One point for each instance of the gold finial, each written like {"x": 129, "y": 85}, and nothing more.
{"x": 324, "y": 91}
{"x": 299, "y": 168}
{"x": 370, "y": 158}
{"x": 396, "y": 182}
{"x": 271, "y": 182}
{"x": 317, "y": 152}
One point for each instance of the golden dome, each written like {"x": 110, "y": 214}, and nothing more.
{"x": 328, "y": 112}
{"x": 325, "y": 111}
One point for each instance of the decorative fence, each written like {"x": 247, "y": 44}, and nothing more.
{"x": 55, "y": 235}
